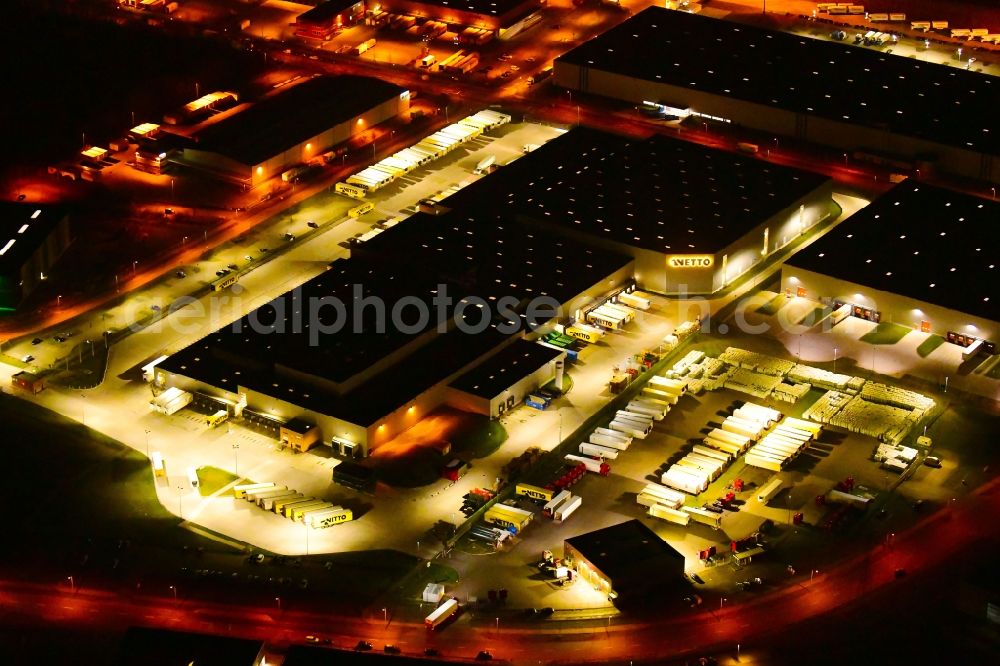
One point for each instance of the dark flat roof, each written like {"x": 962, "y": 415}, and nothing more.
{"x": 305, "y": 655}
{"x": 468, "y": 255}
{"x": 485, "y": 7}
{"x": 292, "y": 115}
{"x": 628, "y": 552}
{"x": 918, "y": 241}
{"x": 505, "y": 368}
{"x": 160, "y": 647}
{"x": 828, "y": 79}
{"x": 23, "y": 228}
{"x": 492, "y": 255}
{"x": 658, "y": 194}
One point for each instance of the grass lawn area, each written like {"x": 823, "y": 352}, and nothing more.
{"x": 994, "y": 372}
{"x": 213, "y": 479}
{"x": 94, "y": 512}
{"x": 929, "y": 345}
{"x": 772, "y": 306}
{"x": 567, "y": 383}
{"x": 815, "y": 316}
{"x": 885, "y": 333}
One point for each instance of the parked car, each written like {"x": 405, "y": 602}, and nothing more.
{"x": 932, "y": 461}
{"x": 363, "y": 646}
{"x": 181, "y": 274}
{"x": 289, "y": 237}
{"x": 37, "y": 341}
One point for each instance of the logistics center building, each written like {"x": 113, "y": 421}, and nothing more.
{"x": 363, "y": 378}
{"x": 856, "y": 99}
{"x": 252, "y": 143}
{"x": 32, "y": 238}
{"x": 919, "y": 256}
{"x": 693, "y": 218}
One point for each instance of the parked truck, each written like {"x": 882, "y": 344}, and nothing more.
{"x": 335, "y": 516}
{"x": 598, "y": 451}
{"x": 240, "y": 492}
{"x": 769, "y": 490}
{"x": 534, "y": 492}
{"x": 567, "y": 509}
{"x": 704, "y": 517}
{"x": 550, "y": 507}
{"x": 170, "y": 401}
{"x": 669, "y": 514}
{"x": 441, "y": 614}
{"x": 592, "y": 465}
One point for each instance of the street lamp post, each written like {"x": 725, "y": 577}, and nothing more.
{"x": 147, "y": 442}
{"x": 72, "y": 583}
{"x": 722, "y": 601}
{"x": 278, "y": 600}
{"x": 180, "y": 501}
{"x": 835, "y": 360}
{"x": 236, "y": 459}
{"x": 173, "y": 588}
{"x": 134, "y": 263}
{"x": 59, "y": 301}
{"x": 812, "y": 573}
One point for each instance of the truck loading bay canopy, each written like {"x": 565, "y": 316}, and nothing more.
{"x": 924, "y": 242}
{"x": 659, "y": 194}
{"x": 800, "y": 74}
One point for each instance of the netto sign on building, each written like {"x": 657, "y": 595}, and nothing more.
{"x": 690, "y": 261}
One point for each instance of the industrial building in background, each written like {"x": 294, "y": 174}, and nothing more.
{"x": 32, "y": 238}
{"x": 919, "y": 256}
{"x": 693, "y": 218}
{"x": 880, "y": 108}
{"x": 251, "y": 143}
{"x": 328, "y": 18}
{"x": 505, "y": 18}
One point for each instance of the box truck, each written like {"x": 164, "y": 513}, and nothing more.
{"x": 566, "y": 510}
{"x": 770, "y": 489}
{"x": 288, "y": 510}
{"x": 669, "y": 514}
{"x": 240, "y": 492}
{"x": 637, "y": 407}
{"x": 442, "y": 613}
{"x": 614, "y": 434}
{"x": 534, "y": 492}
{"x": 335, "y": 516}
{"x": 267, "y": 503}
{"x": 598, "y": 451}
{"x": 631, "y": 428}
{"x": 704, "y": 517}
{"x": 550, "y": 507}
{"x": 592, "y": 465}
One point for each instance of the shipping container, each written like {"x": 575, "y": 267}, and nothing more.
{"x": 567, "y": 509}
{"x": 770, "y": 489}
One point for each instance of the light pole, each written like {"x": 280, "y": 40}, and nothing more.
{"x": 83, "y": 409}
{"x": 498, "y": 626}
{"x": 59, "y": 301}
{"x": 134, "y": 263}
{"x": 236, "y": 459}
{"x": 835, "y": 350}
{"x": 385, "y": 616}
{"x": 812, "y": 573}
{"x": 72, "y": 583}
{"x": 147, "y": 443}
{"x": 722, "y": 601}
{"x": 278, "y": 599}
{"x": 173, "y": 588}
{"x": 180, "y": 501}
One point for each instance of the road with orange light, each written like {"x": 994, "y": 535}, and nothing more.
{"x": 873, "y": 577}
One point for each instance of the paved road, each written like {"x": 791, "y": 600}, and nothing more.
{"x": 919, "y": 551}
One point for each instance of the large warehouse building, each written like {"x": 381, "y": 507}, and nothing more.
{"x": 855, "y": 99}
{"x": 250, "y": 144}
{"x": 919, "y": 256}
{"x": 693, "y": 218}
{"x": 362, "y": 382}
{"x": 625, "y": 561}
{"x": 32, "y": 238}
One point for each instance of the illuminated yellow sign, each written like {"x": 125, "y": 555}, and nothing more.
{"x": 690, "y": 261}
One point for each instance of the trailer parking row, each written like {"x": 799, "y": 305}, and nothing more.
{"x": 313, "y": 512}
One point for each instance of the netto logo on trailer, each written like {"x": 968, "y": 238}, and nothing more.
{"x": 690, "y": 261}
{"x": 334, "y": 519}
{"x": 534, "y": 492}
